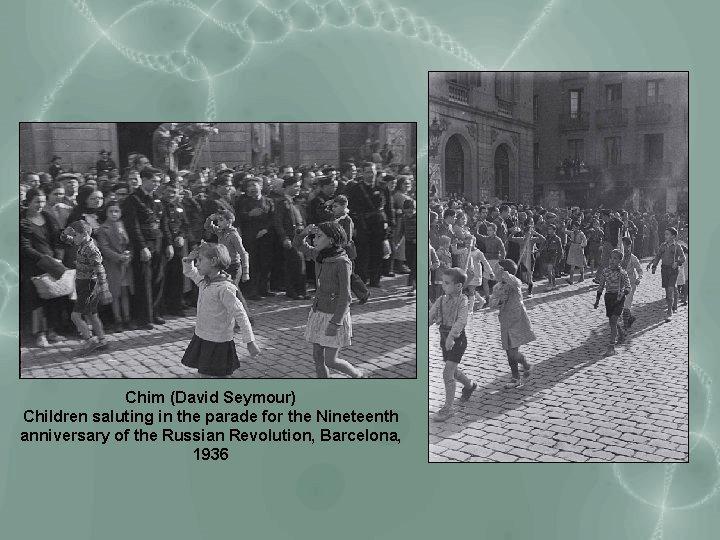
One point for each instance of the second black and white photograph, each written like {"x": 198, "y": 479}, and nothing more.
{"x": 243, "y": 250}
{"x": 559, "y": 266}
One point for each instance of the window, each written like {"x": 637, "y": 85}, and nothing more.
{"x": 465, "y": 78}
{"x": 504, "y": 85}
{"x": 536, "y": 108}
{"x": 576, "y": 149}
{"x": 613, "y": 94}
{"x": 576, "y": 103}
{"x": 536, "y": 155}
{"x": 655, "y": 91}
{"x": 654, "y": 143}
{"x": 612, "y": 151}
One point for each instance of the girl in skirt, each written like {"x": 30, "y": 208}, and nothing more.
{"x": 329, "y": 327}
{"x": 212, "y": 349}
{"x": 515, "y": 327}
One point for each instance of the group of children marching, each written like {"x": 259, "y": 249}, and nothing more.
{"x": 458, "y": 297}
{"x": 217, "y": 269}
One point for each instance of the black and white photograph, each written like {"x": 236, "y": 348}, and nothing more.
{"x": 242, "y": 250}
{"x": 558, "y": 266}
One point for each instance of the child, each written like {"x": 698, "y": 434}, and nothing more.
{"x": 339, "y": 209}
{"x": 515, "y": 327}
{"x": 551, "y": 254}
{"x": 114, "y": 244}
{"x": 478, "y": 270}
{"x": 450, "y": 312}
{"x": 408, "y": 229}
{"x": 495, "y": 252}
{"x": 212, "y": 350}
{"x": 672, "y": 257}
{"x": 329, "y": 326}
{"x": 576, "y": 252}
{"x": 594, "y": 245}
{"x": 631, "y": 265}
{"x": 89, "y": 277}
{"x": 617, "y": 284}
{"x": 444, "y": 255}
{"x": 229, "y": 237}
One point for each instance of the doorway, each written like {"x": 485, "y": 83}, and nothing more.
{"x": 454, "y": 167}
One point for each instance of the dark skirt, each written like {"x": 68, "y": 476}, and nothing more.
{"x": 210, "y": 357}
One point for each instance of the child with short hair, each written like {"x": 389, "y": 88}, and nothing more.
{"x": 551, "y": 254}
{"x": 632, "y": 266}
{"x": 114, "y": 244}
{"x": 515, "y": 326}
{"x": 339, "y": 209}
{"x": 89, "y": 278}
{"x": 212, "y": 350}
{"x": 229, "y": 237}
{"x": 615, "y": 280}
{"x": 672, "y": 257}
{"x": 450, "y": 312}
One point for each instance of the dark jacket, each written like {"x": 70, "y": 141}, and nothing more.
{"x": 36, "y": 249}
{"x": 287, "y": 218}
{"x": 250, "y": 226}
{"x": 145, "y": 222}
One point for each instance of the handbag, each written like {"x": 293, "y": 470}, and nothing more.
{"x": 102, "y": 290}
{"x": 48, "y": 287}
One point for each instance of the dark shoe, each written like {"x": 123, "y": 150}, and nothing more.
{"x": 147, "y": 326}
{"x": 158, "y": 320}
{"x": 178, "y": 313}
{"x": 292, "y": 296}
{"x": 404, "y": 269}
{"x": 467, "y": 392}
{"x": 364, "y": 299}
{"x": 631, "y": 320}
{"x": 130, "y": 325}
{"x": 389, "y": 274}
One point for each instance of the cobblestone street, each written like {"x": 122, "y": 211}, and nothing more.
{"x": 578, "y": 406}
{"x": 383, "y": 343}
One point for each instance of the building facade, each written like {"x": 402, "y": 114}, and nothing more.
{"x": 481, "y": 135}
{"x": 78, "y": 144}
{"x": 611, "y": 138}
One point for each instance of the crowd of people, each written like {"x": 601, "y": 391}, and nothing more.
{"x": 491, "y": 255}
{"x": 148, "y": 227}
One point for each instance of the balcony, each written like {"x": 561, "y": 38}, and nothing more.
{"x": 457, "y": 93}
{"x": 504, "y": 108}
{"x": 659, "y": 169}
{"x": 574, "y": 121}
{"x": 615, "y": 117}
{"x": 657, "y": 113}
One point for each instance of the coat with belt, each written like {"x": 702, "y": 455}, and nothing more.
{"x": 111, "y": 246}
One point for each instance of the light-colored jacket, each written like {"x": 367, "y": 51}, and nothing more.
{"x": 218, "y": 308}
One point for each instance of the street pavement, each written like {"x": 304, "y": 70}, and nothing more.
{"x": 579, "y": 406}
{"x": 383, "y": 343}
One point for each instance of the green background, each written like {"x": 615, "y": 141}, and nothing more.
{"x": 355, "y": 73}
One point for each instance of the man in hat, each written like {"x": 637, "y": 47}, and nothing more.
{"x": 218, "y": 199}
{"x": 147, "y": 227}
{"x": 178, "y": 226}
{"x": 317, "y": 207}
{"x": 287, "y": 221}
{"x": 70, "y": 181}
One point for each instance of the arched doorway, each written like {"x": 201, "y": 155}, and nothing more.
{"x": 454, "y": 167}
{"x": 502, "y": 173}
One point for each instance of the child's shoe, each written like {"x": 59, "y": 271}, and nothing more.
{"x": 610, "y": 351}
{"x": 42, "y": 341}
{"x": 467, "y": 392}
{"x": 102, "y": 345}
{"x": 527, "y": 373}
{"x": 514, "y": 383}
{"x": 443, "y": 414}
{"x": 88, "y": 345}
